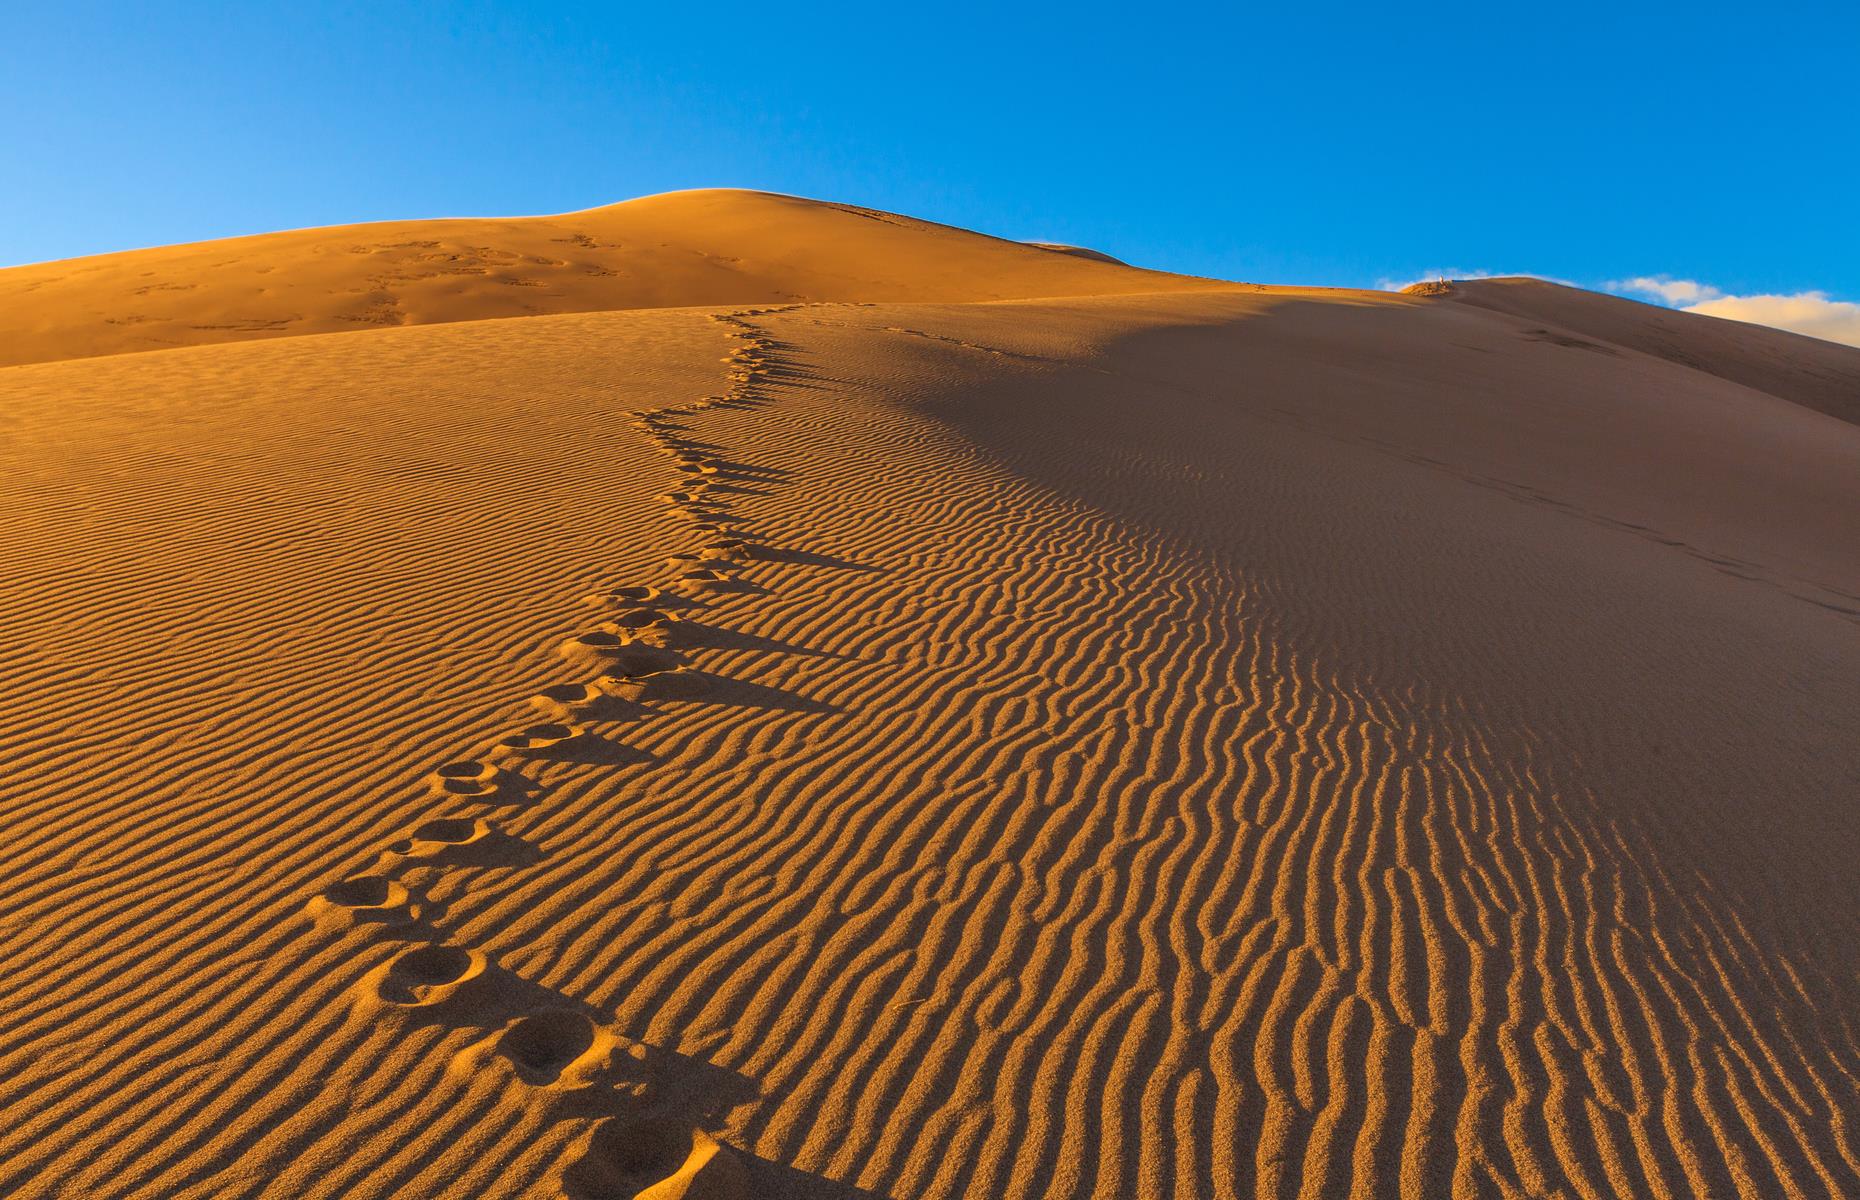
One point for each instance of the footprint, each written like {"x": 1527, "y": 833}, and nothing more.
{"x": 595, "y": 644}
{"x": 677, "y": 684}
{"x": 638, "y": 659}
{"x": 467, "y": 778}
{"x": 541, "y": 1046}
{"x": 623, "y": 595}
{"x": 537, "y": 739}
{"x": 722, "y": 549}
{"x": 655, "y": 1158}
{"x": 570, "y": 700}
{"x": 436, "y": 837}
{"x": 426, "y": 975}
{"x": 363, "y": 898}
{"x": 365, "y": 891}
{"x": 638, "y": 620}
{"x": 552, "y": 1048}
{"x": 705, "y": 579}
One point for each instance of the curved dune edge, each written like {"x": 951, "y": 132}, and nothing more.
{"x": 680, "y": 249}
{"x": 1803, "y": 370}
{"x": 1133, "y": 756}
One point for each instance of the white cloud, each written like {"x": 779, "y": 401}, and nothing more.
{"x": 1811, "y": 313}
{"x": 1677, "y": 292}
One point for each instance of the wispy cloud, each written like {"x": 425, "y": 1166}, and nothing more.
{"x": 1813, "y": 313}
{"x": 1676, "y": 292}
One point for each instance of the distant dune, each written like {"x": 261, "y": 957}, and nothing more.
{"x": 676, "y": 250}
{"x": 843, "y": 707}
{"x": 1822, "y": 375}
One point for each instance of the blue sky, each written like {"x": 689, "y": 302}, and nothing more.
{"x": 1349, "y": 144}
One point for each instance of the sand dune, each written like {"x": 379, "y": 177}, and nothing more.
{"x": 680, "y": 249}
{"x": 1822, "y": 375}
{"x": 1197, "y": 743}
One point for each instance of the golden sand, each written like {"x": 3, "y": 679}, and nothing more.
{"x": 881, "y": 711}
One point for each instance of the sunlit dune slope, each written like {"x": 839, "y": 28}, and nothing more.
{"x": 673, "y": 250}
{"x": 1080, "y": 251}
{"x": 1821, "y": 375}
{"x": 1156, "y": 745}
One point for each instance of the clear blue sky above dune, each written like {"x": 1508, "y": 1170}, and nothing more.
{"x": 1346, "y": 144}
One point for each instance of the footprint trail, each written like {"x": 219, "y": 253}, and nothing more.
{"x": 634, "y": 658}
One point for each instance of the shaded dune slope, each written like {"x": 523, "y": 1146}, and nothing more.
{"x": 683, "y": 248}
{"x": 1206, "y": 743}
{"x": 1820, "y": 375}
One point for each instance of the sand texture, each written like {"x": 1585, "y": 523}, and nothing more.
{"x": 676, "y": 250}
{"x": 1027, "y": 728}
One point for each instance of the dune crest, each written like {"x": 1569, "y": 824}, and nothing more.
{"x": 1820, "y": 375}
{"x": 676, "y": 250}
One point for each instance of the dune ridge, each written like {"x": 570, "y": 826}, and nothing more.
{"x": 1805, "y": 370}
{"x": 1141, "y": 745}
{"x": 680, "y": 249}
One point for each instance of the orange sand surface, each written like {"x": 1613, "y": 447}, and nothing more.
{"x": 675, "y": 250}
{"x": 845, "y": 707}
